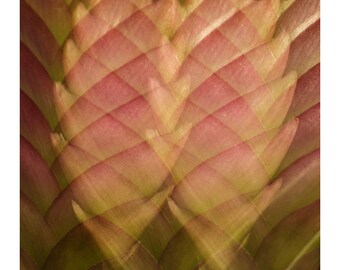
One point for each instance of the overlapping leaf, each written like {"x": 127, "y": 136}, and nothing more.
{"x": 169, "y": 134}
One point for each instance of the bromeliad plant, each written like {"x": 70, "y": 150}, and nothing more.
{"x": 169, "y": 134}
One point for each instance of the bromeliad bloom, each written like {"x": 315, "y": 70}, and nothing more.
{"x": 169, "y": 134}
